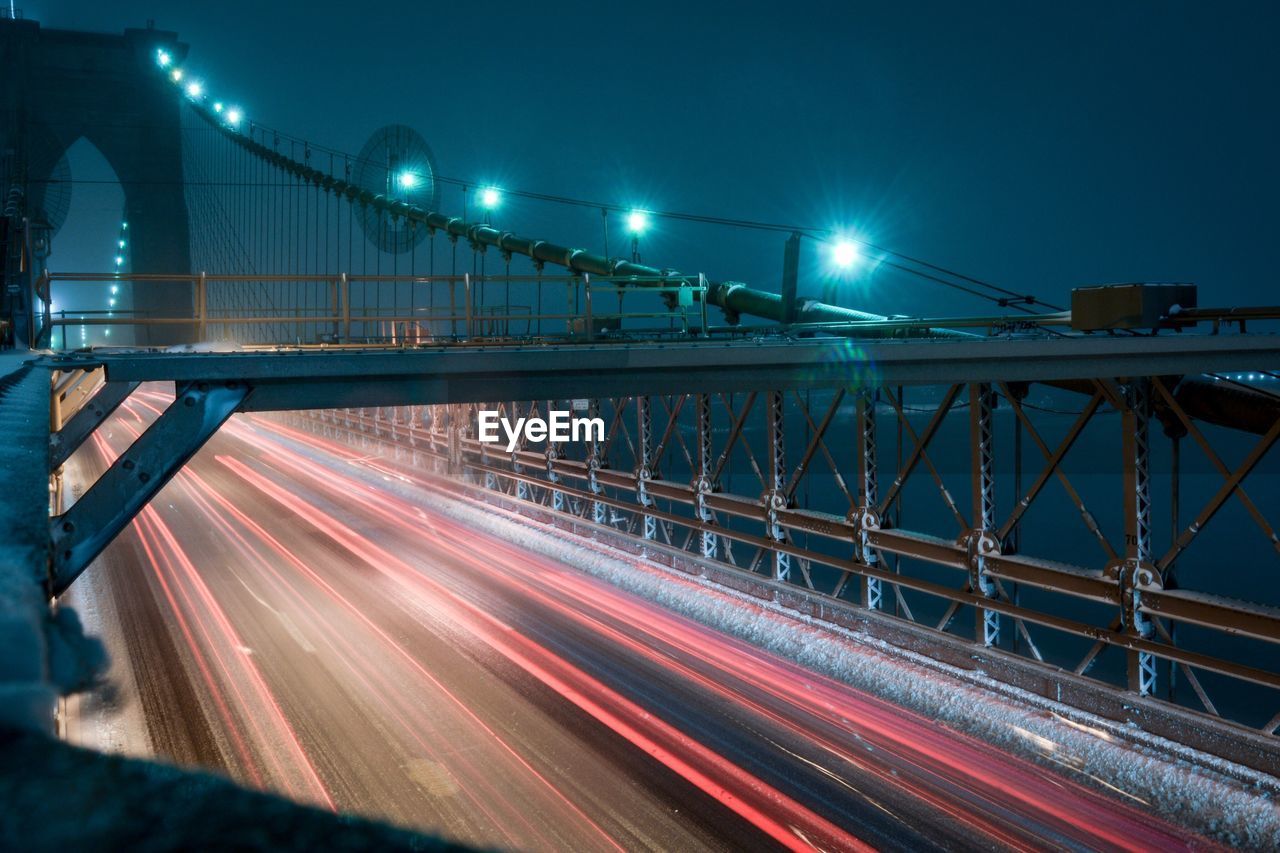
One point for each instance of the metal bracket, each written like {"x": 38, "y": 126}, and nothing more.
{"x": 82, "y": 532}
{"x": 979, "y": 545}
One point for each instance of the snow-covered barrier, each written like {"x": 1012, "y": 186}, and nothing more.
{"x": 43, "y": 653}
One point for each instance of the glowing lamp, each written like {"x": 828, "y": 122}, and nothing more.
{"x": 845, "y": 254}
{"x": 637, "y": 222}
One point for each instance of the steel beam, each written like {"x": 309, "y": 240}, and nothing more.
{"x": 340, "y": 379}
{"x": 65, "y": 441}
{"x": 866, "y": 516}
{"x": 80, "y": 534}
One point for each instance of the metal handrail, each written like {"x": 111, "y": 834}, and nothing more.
{"x": 345, "y": 310}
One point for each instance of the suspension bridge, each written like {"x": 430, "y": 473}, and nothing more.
{"x": 1072, "y": 500}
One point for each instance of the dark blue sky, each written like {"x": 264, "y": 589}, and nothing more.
{"x": 1038, "y": 146}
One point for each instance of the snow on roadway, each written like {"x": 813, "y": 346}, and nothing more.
{"x": 1227, "y": 801}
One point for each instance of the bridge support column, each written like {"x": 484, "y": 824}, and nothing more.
{"x": 644, "y": 464}
{"x": 455, "y": 425}
{"x": 1137, "y": 569}
{"x": 702, "y": 485}
{"x": 775, "y": 496}
{"x": 490, "y": 479}
{"x": 865, "y": 516}
{"x": 553, "y": 476}
{"x": 522, "y": 488}
{"x": 982, "y": 538}
{"x": 595, "y": 462}
{"x": 81, "y": 533}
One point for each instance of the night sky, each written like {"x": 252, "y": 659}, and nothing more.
{"x": 1035, "y": 147}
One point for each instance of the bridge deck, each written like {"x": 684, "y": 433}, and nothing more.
{"x": 329, "y": 378}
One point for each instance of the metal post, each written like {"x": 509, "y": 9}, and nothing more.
{"x": 466, "y": 304}
{"x": 333, "y": 304}
{"x": 594, "y": 464}
{"x": 702, "y": 302}
{"x": 552, "y": 454}
{"x": 1137, "y": 571}
{"x": 522, "y": 487}
{"x": 202, "y": 306}
{"x": 982, "y": 540}
{"x": 866, "y": 517}
{"x": 790, "y": 278}
{"x": 775, "y": 497}
{"x": 644, "y": 467}
{"x": 453, "y": 414}
{"x": 702, "y": 485}
{"x": 344, "y": 286}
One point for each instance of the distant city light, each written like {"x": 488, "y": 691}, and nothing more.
{"x": 115, "y": 288}
{"x": 637, "y": 222}
{"x": 111, "y": 303}
{"x": 490, "y": 198}
{"x": 124, "y": 226}
{"x": 407, "y": 180}
{"x": 217, "y": 106}
{"x": 233, "y": 116}
{"x": 119, "y": 260}
{"x": 106, "y": 332}
{"x": 163, "y": 58}
{"x": 176, "y": 75}
{"x": 845, "y": 254}
{"x": 121, "y": 244}
{"x": 194, "y": 89}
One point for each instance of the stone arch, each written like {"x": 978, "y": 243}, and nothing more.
{"x": 65, "y": 85}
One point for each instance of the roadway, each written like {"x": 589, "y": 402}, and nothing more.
{"x": 278, "y": 616}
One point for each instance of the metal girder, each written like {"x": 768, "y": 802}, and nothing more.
{"x": 797, "y": 524}
{"x": 339, "y": 379}
{"x": 80, "y": 533}
{"x": 1212, "y": 611}
{"x": 866, "y": 515}
{"x": 775, "y": 497}
{"x": 981, "y": 537}
{"x": 645, "y": 462}
{"x": 65, "y": 441}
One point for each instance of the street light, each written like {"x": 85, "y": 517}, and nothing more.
{"x": 217, "y": 106}
{"x": 845, "y": 253}
{"x": 637, "y": 223}
{"x": 490, "y": 198}
{"x": 163, "y": 58}
{"x": 233, "y": 116}
{"x": 176, "y": 75}
{"x": 407, "y": 180}
{"x": 195, "y": 89}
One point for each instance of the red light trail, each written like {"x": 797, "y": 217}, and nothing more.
{"x": 504, "y": 698}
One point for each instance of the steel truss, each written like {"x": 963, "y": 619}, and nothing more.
{"x": 774, "y": 480}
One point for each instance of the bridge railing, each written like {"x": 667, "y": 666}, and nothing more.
{"x": 390, "y": 309}
{"x": 1063, "y": 527}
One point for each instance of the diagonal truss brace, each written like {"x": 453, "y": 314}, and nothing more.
{"x": 67, "y": 440}
{"x": 80, "y": 533}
